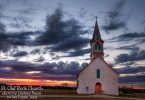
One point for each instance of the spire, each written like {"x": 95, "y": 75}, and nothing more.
{"x": 96, "y": 34}
{"x": 96, "y": 43}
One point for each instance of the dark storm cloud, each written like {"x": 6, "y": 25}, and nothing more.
{"x": 8, "y": 40}
{"x": 20, "y": 39}
{"x": 130, "y": 63}
{"x": 56, "y": 57}
{"x": 3, "y": 39}
{"x": 135, "y": 36}
{"x": 12, "y": 40}
{"x": 134, "y": 55}
{"x": 60, "y": 70}
{"x": 35, "y": 51}
{"x": 2, "y": 28}
{"x": 1, "y": 8}
{"x": 20, "y": 54}
{"x": 82, "y": 12}
{"x": 132, "y": 70}
{"x": 3, "y": 4}
{"x": 40, "y": 59}
{"x": 130, "y": 47}
{"x": 130, "y": 36}
{"x": 15, "y": 25}
{"x": 16, "y": 65}
{"x": 143, "y": 22}
{"x": 73, "y": 42}
{"x": 26, "y": 11}
{"x": 78, "y": 53}
{"x": 17, "y": 69}
{"x": 62, "y": 34}
{"x": 22, "y": 19}
{"x": 20, "y": 22}
{"x": 114, "y": 21}
{"x": 132, "y": 79}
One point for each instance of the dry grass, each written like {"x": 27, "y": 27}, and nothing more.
{"x": 60, "y": 94}
{"x": 78, "y": 98}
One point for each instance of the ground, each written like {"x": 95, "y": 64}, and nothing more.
{"x": 56, "y": 94}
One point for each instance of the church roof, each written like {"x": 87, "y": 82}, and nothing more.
{"x": 96, "y": 34}
{"x": 103, "y": 61}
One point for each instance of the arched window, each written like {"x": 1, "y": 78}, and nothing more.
{"x": 98, "y": 47}
{"x": 98, "y": 73}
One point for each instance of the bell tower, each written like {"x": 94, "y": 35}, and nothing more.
{"x": 96, "y": 43}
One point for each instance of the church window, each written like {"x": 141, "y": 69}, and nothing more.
{"x": 87, "y": 88}
{"x": 98, "y": 73}
{"x": 97, "y": 47}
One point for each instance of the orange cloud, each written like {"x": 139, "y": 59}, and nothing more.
{"x": 13, "y": 81}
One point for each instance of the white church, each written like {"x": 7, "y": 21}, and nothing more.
{"x": 97, "y": 77}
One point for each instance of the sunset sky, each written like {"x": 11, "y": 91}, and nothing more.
{"x": 46, "y": 42}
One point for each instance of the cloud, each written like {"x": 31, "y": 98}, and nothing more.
{"x": 20, "y": 38}
{"x": 4, "y": 44}
{"x": 132, "y": 70}
{"x": 130, "y": 36}
{"x": 20, "y": 22}
{"x": 2, "y": 28}
{"x": 114, "y": 26}
{"x": 82, "y": 12}
{"x": 129, "y": 47}
{"x": 56, "y": 57}
{"x": 114, "y": 21}
{"x": 10, "y": 41}
{"x": 2, "y": 8}
{"x": 62, "y": 34}
{"x": 14, "y": 39}
{"x": 60, "y": 70}
{"x": 20, "y": 54}
{"x": 134, "y": 55}
{"x": 132, "y": 79}
{"x": 78, "y": 53}
{"x": 143, "y": 22}
{"x": 35, "y": 51}
{"x": 40, "y": 59}
{"x": 130, "y": 63}
{"x": 26, "y": 11}
{"x": 73, "y": 43}
{"x": 135, "y": 36}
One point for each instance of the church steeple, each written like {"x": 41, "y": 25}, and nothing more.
{"x": 96, "y": 43}
{"x": 96, "y": 34}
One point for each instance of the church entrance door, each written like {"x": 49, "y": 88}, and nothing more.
{"x": 98, "y": 88}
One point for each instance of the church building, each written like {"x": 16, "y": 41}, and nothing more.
{"x": 98, "y": 77}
